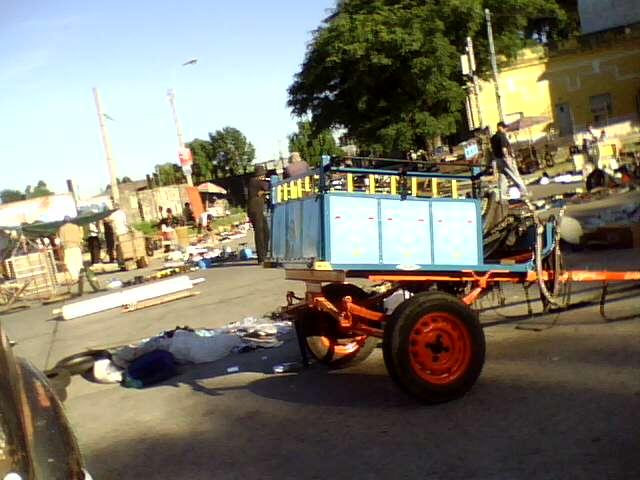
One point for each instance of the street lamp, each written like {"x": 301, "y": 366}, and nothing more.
{"x": 184, "y": 153}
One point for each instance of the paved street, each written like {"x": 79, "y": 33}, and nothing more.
{"x": 555, "y": 400}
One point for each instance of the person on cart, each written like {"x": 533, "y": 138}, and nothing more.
{"x": 505, "y": 163}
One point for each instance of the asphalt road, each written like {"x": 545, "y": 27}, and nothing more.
{"x": 558, "y": 397}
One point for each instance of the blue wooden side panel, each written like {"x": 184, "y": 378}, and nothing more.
{"x": 369, "y": 232}
{"x": 455, "y": 232}
{"x": 406, "y": 232}
{"x": 278, "y": 230}
{"x": 353, "y": 229}
{"x": 312, "y": 227}
{"x": 294, "y": 230}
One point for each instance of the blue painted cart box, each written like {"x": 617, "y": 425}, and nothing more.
{"x": 363, "y": 231}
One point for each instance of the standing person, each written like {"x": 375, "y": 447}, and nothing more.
{"x": 505, "y": 164}
{"x": 297, "y": 166}
{"x": 187, "y": 213}
{"x": 167, "y": 226}
{"x": 119, "y": 219}
{"x": 160, "y": 212}
{"x": 109, "y": 239}
{"x": 70, "y": 236}
{"x": 93, "y": 243}
{"x": 258, "y": 187}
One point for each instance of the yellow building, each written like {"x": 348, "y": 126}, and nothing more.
{"x": 573, "y": 87}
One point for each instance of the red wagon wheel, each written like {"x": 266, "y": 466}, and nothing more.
{"x": 434, "y": 347}
{"x": 325, "y": 343}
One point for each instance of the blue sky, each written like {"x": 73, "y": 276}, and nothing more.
{"x": 53, "y": 52}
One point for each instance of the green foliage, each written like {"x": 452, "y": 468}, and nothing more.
{"x": 312, "y": 146}
{"x": 147, "y": 228}
{"x": 227, "y": 152}
{"x": 170, "y": 174}
{"x": 388, "y": 71}
{"x": 232, "y": 152}
{"x": 40, "y": 190}
{"x": 124, "y": 179}
{"x": 203, "y": 167}
{"x": 229, "y": 220}
{"x": 8, "y": 196}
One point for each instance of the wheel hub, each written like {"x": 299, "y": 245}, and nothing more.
{"x": 439, "y": 348}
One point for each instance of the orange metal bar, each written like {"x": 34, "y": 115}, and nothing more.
{"x": 463, "y": 277}
{"x": 588, "y": 276}
{"x": 515, "y": 277}
{"x": 473, "y": 295}
{"x": 358, "y": 311}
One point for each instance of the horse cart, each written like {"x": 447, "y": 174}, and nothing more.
{"x": 433, "y": 237}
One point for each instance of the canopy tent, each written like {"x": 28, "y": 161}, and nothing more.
{"x": 44, "y": 229}
{"x": 209, "y": 187}
{"x": 525, "y": 123}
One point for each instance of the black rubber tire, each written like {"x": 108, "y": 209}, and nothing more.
{"x": 396, "y": 352}
{"x": 319, "y": 324}
{"x": 79, "y": 363}
{"x": 398, "y": 311}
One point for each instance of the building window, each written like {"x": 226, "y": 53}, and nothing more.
{"x": 601, "y": 109}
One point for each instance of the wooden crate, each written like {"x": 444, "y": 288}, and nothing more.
{"x": 38, "y": 270}
{"x": 131, "y": 246}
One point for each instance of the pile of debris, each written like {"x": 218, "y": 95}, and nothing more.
{"x": 155, "y": 359}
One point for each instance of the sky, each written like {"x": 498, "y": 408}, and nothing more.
{"x": 53, "y": 52}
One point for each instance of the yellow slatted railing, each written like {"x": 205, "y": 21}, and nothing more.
{"x": 372, "y": 184}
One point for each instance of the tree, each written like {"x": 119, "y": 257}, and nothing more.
{"x": 8, "y": 196}
{"x": 388, "y": 71}
{"x": 124, "y": 179}
{"x": 231, "y": 152}
{"x": 203, "y": 166}
{"x": 40, "y": 190}
{"x": 312, "y": 146}
{"x": 170, "y": 174}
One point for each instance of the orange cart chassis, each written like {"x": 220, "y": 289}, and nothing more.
{"x": 360, "y": 318}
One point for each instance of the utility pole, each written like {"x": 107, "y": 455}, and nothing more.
{"x": 474, "y": 77}
{"x": 494, "y": 65}
{"x": 171, "y": 94}
{"x": 115, "y": 193}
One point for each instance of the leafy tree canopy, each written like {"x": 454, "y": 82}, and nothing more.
{"x": 311, "y": 146}
{"x": 8, "y": 196}
{"x": 170, "y": 174}
{"x": 388, "y": 71}
{"x": 203, "y": 166}
{"x": 231, "y": 151}
{"x": 40, "y": 190}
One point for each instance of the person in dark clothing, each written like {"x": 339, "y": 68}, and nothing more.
{"x": 187, "y": 213}
{"x": 505, "y": 164}
{"x": 93, "y": 243}
{"x": 109, "y": 240}
{"x": 257, "y": 189}
{"x": 597, "y": 178}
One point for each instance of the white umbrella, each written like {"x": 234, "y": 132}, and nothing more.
{"x": 209, "y": 187}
